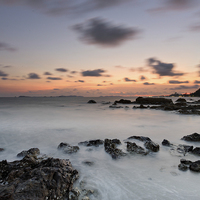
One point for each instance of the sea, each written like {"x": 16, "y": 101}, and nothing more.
{"x": 45, "y": 122}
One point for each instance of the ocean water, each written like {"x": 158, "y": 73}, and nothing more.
{"x": 46, "y": 122}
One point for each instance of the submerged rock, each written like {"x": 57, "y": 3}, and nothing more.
{"x": 134, "y": 148}
{"x": 89, "y": 143}
{"x": 152, "y": 146}
{"x": 89, "y": 163}
{"x": 110, "y": 147}
{"x": 195, "y": 166}
{"x": 183, "y": 167}
{"x": 140, "y": 138}
{"x": 31, "y": 152}
{"x": 2, "y": 149}
{"x": 66, "y": 148}
{"x": 180, "y": 150}
{"x": 166, "y": 143}
{"x": 123, "y": 101}
{"x": 195, "y": 137}
{"x": 32, "y": 179}
{"x": 91, "y": 101}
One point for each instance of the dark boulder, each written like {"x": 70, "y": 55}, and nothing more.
{"x": 153, "y": 100}
{"x": 195, "y": 137}
{"x": 186, "y": 162}
{"x": 2, "y": 149}
{"x": 195, "y": 166}
{"x": 182, "y": 167}
{"x": 66, "y": 148}
{"x": 32, "y": 152}
{"x": 134, "y": 148}
{"x": 89, "y": 143}
{"x": 91, "y": 101}
{"x": 89, "y": 163}
{"x": 110, "y": 148}
{"x": 166, "y": 143}
{"x": 123, "y": 101}
{"x": 182, "y": 100}
{"x": 32, "y": 179}
{"x": 140, "y": 138}
{"x": 180, "y": 104}
{"x": 196, "y": 151}
{"x": 152, "y": 146}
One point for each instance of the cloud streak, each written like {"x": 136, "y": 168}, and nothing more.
{"x": 54, "y": 78}
{"x": 61, "y": 70}
{"x": 100, "y": 32}
{"x": 3, "y": 73}
{"x": 183, "y": 87}
{"x": 177, "y": 82}
{"x": 6, "y": 47}
{"x": 33, "y": 76}
{"x": 96, "y": 72}
{"x": 126, "y": 79}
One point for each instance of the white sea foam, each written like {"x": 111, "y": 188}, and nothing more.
{"x": 45, "y": 122}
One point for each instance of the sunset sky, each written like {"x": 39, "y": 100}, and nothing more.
{"x": 99, "y": 47}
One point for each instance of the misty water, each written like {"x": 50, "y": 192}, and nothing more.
{"x": 46, "y": 122}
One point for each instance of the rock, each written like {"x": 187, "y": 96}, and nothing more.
{"x": 181, "y": 100}
{"x": 66, "y": 148}
{"x": 2, "y": 149}
{"x": 95, "y": 143}
{"x": 85, "y": 198}
{"x": 123, "y": 101}
{"x": 32, "y": 152}
{"x": 195, "y": 166}
{"x": 180, "y": 104}
{"x": 152, "y": 146}
{"x": 134, "y": 148}
{"x": 180, "y": 150}
{"x": 166, "y": 143}
{"x": 186, "y": 162}
{"x": 31, "y": 179}
{"x": 140, "y": 138}
{"x": 110, "y": 147}
{"x": 196, "y": 151}
{"x": 91, "y": 101}
{"x": 89, "y": 163}
{"x": 153, "y": 100}
{"x": 182, "y": 167}
{"x": 115, "y": 106}
{"x": 195, "y": 137}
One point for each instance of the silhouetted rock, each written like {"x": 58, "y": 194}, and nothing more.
{"x": 89, "y": 143}
{"x": 195, "y": 137}
{"x": 66, "y": 148}
{"x": 140, "y": 138}
{"x": 2, "y": 149}
{"x": 32, "y": 152}
{"x": 115, "y": 106}
{"x": 196, "y": 151}
{"x": 124, "y": 101}
{"x": 166, "y": 143}
{"x": 32, "y": 179}
{"x": 182, "y": 100}
{"x": 182, "y": 167}
{"x": 110, "y": 147}
{"x": 196, "y": 93}
{"x": 91, "y": 101}
{"x": 153, "y": 100}
{"x": 89, "y": 163}
{"x": 132, "y": 147}
{"x": 181, "y": 104}
{"x": 195, "y": 166}
{"x": 152, "y": 146}
{"x": 186, "y": 162}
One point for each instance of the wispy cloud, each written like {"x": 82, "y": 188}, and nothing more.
{"x": 96, "y": 72}
{"x": 183, "y": 87}
{"x": 33, "y": 76}
{"x": 3, "y": 73}
{"x": 100, "y": 32}
{"x": 177, "y": 82}
{"x": 147, "y": 83}
{"x": 47, "y": 73}
{"x": 6, "y": 47}
{"x": 61, "y": 70}
{"x": 126, "y": 79}
{"x": 54, "y": 78}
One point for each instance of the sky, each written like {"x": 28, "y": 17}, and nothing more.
{"x": 99, "y": 47}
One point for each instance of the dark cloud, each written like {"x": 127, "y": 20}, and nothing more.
{"x": 4, "y": 78}
{"x": 129, "y": 80}
{"x": 177, "y": 82}
{"x": 111, "y": 84}
{"x": 6, "y": 47}
{"x": 196, "y": 82}
{"x": 183, "y": 87}
{"x": 33, "y": 76}
{"x": 7, "y": 66}
{"x": 162, "y": 69}
{"x": 73, "y": 72}
{"x": 96, "y": 72}
{"x": 100, "y": 85}
{"x": 54, "y": 78}
{"x": 147, "y": 83}
{"x": 61, "y": 70}
{"x": 195, "y": 27}
{"x": 47, "y": 73}
{"x": 100, "y": 32}
{"x": 56, "y": 89}
{"x": 3, "y": 73}
{"x": 81, "y": 81}
{"x": 139, "y": 69}
{"x": 142, "y": 78}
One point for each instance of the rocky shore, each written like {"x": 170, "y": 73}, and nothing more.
{"x": 39, "y": 177}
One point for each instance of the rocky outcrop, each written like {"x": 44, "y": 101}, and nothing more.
{"x": 182, "y": 100}
{"x": 111, "y": 148}
{"x": 152, "y": 100}
{"x": 152, "y": 146}
{"x": 32, "y": 179}
{"x": 133, "y": 148}
{"x": 31, "y": 152}
{"x": 195, "y": 137}
{"x": 89, "y": 143}
{"x": 66, "y": 148}
{"x": 91, "y": 101}
{"x": 182, "y": 167}
{"x": 195, "y": 166}
{"x": 166, "y": 143}
{"x": 180, "y": 150}
{"x": 196, "y": 151}
{"x": 140, "y": 138}
{"x": 123, "y": 101}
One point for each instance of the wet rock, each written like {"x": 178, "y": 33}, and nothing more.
{"x": 110, "y": 147}
{"x": 195, "y": 166}
{"x": 186, "y": 162}
{"x": 2, "y": 149}
{"x": 31, "y": 152}
{"x": 152, "y": 100}
{"x": 181, "y": 104}
{"x": 91, "y": 101}
{"x": 32, "y": 179}
{"x": 195, "y": 137}
{"x": 182, "y": 167}
{"x": 180, "y": 150}
{"x": 89, "y": 163}
{"x": 140, "y": 138}
{"x": 196, "y": 151}
{"x": 181, "y": 100}
{"x": 152, "y": 146}
{"x": 89, "y": 143}
{"x": 166, "y": 143}
{"x": 123, "y": 101}
{"x": 66, "y": 148}
{"x": 134, "y": 148}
